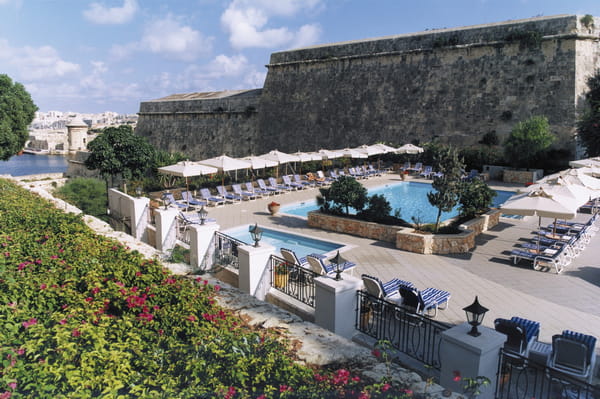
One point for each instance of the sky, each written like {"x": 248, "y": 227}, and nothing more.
{"x": 92, "y": 56}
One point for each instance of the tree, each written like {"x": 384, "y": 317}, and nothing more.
{"x": 527, "y": 141}
{"x": 119, "y": 152}
{"x": 17, "y": 110}
{"x": 87, "y": 194}
{"x": 448, "y": 185}
{"x": 346, "y": 192}
{"x": 588, "y": 127}
{"x": 475, "y": 197}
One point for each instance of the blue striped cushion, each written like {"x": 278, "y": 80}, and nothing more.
{"x": 532, "y": 328}
{"x": 433, "y": 297}
{"x": 587, "y": 340}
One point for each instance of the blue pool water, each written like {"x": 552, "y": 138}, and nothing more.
{"x": 409, "y": 197}
{"x": 300, "y": 244}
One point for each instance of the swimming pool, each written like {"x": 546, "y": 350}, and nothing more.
{"x": 409, "y": 197}
{"x": 301, "y": 245}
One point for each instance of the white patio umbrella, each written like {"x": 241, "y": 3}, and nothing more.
{"x": 330, "y": 154}
{"x": 370, "y": 150}
{"x": 386, "y": 148}
{"x": 280, "y": 158}
{"x": 575, "y": 176}
{"x": 187, "y": 169}
{"x": 352, "y": 153}
{"x": 259, "y": 163}
{"x": 225, "y": 163}
{"x": 307, "y": 157}
{"x": 576, "y": 194}
{"x": 589, "y": 162}
{"x": 409, "y": 149}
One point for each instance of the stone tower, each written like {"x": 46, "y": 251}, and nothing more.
{"x": 77, "y": 133}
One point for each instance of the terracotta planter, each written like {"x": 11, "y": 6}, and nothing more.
{"x": 273, "y": 209}
{"x": 281, "y": 280}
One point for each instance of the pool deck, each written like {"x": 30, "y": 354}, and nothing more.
{"x": 558, "y": 302}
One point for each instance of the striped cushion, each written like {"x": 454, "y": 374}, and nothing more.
{"x": 433, "y": 297}
{"x": 587, "y": 340}
{"x": 532, "y": 328}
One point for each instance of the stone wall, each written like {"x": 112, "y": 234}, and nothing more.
{"x": 404, "y": 237}
{"x": 451, "y": 84}
{"x": 354, "y": 227}
{"x": 521, "y": 176}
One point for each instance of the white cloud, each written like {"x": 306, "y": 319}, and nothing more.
{"x": 99, "y": 14}
{"x": 170, "y": 38}
{"x": 246, "y": 22}
{"x": 36, "y": 63}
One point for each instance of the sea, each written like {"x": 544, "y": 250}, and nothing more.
{"x": 30, "y": 164}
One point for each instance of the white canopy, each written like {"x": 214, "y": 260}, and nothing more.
{"x": 385, "y": 148}
{"x": 590, "y": 162}
{"x": 186, "y": 169}
{"x": 576, "y": 194}
{"x": 259, "y": 162}
{"x": 308, "y": 156}
{"x": 369, "y": 150}
{"x": 225, "y": 163}
{"x": 409, "y": 149}
{"x": 329, "y": 154}
{"x": 280, "y": 157}
{"x": 352, "y": 153}
{"x": 575, "y": 176}
{"x": 540, "y": 203}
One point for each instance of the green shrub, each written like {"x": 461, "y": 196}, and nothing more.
{"x": 87, "y": 194}
{"x": 475, "y": 197}
{"x": 344, "y": 193}
{"x": 378, "y": 209}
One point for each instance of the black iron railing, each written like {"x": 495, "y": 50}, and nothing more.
{"x": 523, "y": 378}
{"x": 226, "y": 250}
{"x": 414, "y": 335}
{"x": 293, "y": 280}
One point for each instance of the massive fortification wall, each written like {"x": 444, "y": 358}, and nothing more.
{"x": 452, "y": 84}
{"x": 202, "y": 125}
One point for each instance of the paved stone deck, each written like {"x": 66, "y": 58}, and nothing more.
{"x": 565, "y": 301}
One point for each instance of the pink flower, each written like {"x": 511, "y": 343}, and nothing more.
{"x": 95, "y": 290}
{"x": 30, "y": 322}
{"x": 11, "y": 304}
{"x": 89, "y": 299}
{"x": 376, "y": 352}
{"x": 456, "y": 377}
{"x": 138, "y": 274}
{"x": 385, "y": 387}
{"x": 191, "y": 318}
{"x": 408, "y": 392}
{"x": 217, "y": 287}
{"x": 43, "y": 286}
{"x": 54, "y": 257}
{"x": 20, "y": 351}
{"x": 5, "y": 395}
{"x": 7, "y": 254}
{"x": 63, "y": 321}
{"x": 76, "y": 333}
{"x": 12, "y": 385}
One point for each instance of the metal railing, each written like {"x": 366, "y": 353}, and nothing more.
{"x": 293, "y": 280}
{"x": 522, "y": 378}
{"x": 226, "y": 250}
{"x": 414, "y": 335}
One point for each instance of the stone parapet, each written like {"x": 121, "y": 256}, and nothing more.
{"x": 521, "y": 176}
{"x": 354, "y": 227}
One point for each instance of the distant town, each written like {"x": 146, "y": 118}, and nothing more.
{"x": 48, "y": 131}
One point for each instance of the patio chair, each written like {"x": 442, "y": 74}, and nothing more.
{"x": 425, "y": 302}
{"x": 273, "y": 184}
{"x": 333, "y": 175}
{"x": 207, "y": 196}
{"x": 427, "y": 172}
{"x": 305, "y": 183}
{"x": 263, "y": 186}
{"x": 194, "y": 219}
{"x": 291, "y": 258}
{"x": 355, "y": 173}
{"x": 325, "y": 179}
{"x": 388, "y": 290}
{"x": 520, "y": 333}
{"x": 418, "y": 168}
{"x": 315, "y": 179}
{"x": 188, "y": 198}
{"x": 406, "y": 166}
{"x": 229, "y": 197}
{"x": 574, "y": 354}
{"x": 169, "y": 199}
{"x": 259, "y": 192}
{"x": 237, "y": 190}
{"x": 374, "y": 171}
{"x": 319, "y": 266}
{"x": 290, "y": 185}
{"x": 473, "y": 174}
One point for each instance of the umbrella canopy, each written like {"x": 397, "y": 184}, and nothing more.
{"x": 329, "y": 154}
{"x": 352, "y": 153}
{"x": 409, "y": 149}
{"x": 576, "y": 194}
{"x": 540, "y": 203}
{"x": 308, "y": 156}
{"x": 576, "y": 176}
{"x": 187, "y": 169}
{"x": 225, "y": 163}
{"x": 385, "y": 148}
{"x": 589, "y": 162}
{"x": 259, "y": 162}
{"x": 369, "y": 150}
{"x": 280, "y": 158}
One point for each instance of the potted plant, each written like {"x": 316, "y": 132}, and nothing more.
{"x": 281, "y": 274}
{"x": 273, "y": 207}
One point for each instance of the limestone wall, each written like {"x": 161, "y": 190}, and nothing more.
{"x": 354, "y": 227}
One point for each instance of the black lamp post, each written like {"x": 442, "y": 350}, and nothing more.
{"x": 202, "y": 214}
{"x": 166, "y": 200}
{"x": 475, "y": 313}
{"x": 138, "y": 191}
{"x": 256, "y": 233}
{"x": 338, "y": 265}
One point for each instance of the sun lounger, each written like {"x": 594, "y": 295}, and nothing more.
{"x": 324, "y": 178}
{"x": 169, "y": 199}
{"x": 188, "y": 198}
{"x": 425, "y": 302}
{"x": 237, "y": 190}
{"x": 388, "y": 290}
{"x": 305, "y": 183}
{"x": 427, "y": 172}
{"x": 290, "y": 185}
{"x": 259, "y": 192}
{"x": 521, "y": 334}
{"x": 574, "y": 354}
{"x": 263, "y": 186}
{"x": 229, "y": 197}
{"x": 273, "y": 184}
{"x": 207, "y": 196}
{"x": 318, "y": 265}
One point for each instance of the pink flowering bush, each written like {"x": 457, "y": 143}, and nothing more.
{"x": 84, "y": 316}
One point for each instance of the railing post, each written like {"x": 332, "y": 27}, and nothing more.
{"x": 335, "y": 304}
{"x": 253, "y": 263}
{"x": 165, "y": 231}
{"x": 470, "y": 357}
{"x": 201, "y": 236}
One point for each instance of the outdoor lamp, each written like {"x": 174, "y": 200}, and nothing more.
{"x": 202, "y": 214}
{"x": 256, "y": 233}
{"x": 475, "y": 313}
{"x": 138, "y": 191}
{"x": 338, "y": 265}
{"x": 166, "y": 200}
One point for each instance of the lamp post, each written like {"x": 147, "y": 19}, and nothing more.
{"x": 166, "y": 201}
{"x": 202, "y": 214}
{"x": 475, "y": 313}
{"x": 338, "y": 265}
{"x": 138, "y": 191}
{"x": 256, "y": 233}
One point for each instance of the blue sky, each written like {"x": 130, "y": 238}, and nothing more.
{"x": 110, "y": 55}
